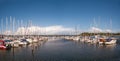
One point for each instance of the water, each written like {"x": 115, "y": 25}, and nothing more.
{"x": 62, "y": 50}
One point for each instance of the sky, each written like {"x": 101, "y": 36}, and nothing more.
{"x": 83, "y": 14}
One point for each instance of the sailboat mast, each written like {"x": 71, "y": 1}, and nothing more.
{"x": 17, "y": 27}
{"x": 1, "y": 27}
{"x": 20, "y": 27}
{"x": 94, "y": 26}
{"x": 6, "y": 26}
{"x": 11, "y": 24}
{"x": 111, "y": 27}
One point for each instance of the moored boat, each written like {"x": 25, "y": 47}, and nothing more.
{"x": 3, "y": 45}
{"x": 29, "y": 40}
{"x": 23, "y": 42}
{"x": 107, "y": 41}
{"x": 111, "y": 41}
{"x": 15, "y": 43}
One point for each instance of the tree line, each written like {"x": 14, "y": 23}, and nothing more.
{"x": 105, "y": 34}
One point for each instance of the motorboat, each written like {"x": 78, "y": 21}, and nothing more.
{"x": 8, "y": 41}
{"x": 3, "y": 45}
{"x": 29, "y": 40}
{"x": 35, "y": 40}
{"x": 15, "y": 43}
{"x": 23, "y": 42}
{"x": 76, "y": 38}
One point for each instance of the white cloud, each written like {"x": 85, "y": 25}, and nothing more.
{"x": 8, "y": 32}
{"x": 95, "y": 29}
{"x": 50, "y": 30}
{"x": 108, "y": 30}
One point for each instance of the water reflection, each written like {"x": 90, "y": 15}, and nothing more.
{"x": 110, "y": 47}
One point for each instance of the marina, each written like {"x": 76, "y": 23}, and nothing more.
{"x": 61, "y": 49}
{"x": 32, "y": 43}
{"x": 59, "y": 30}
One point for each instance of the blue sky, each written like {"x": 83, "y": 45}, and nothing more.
{"x": 68, "y": 13}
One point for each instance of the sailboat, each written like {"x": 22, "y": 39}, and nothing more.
{"x": 111, "y": 41}
{"x": 108, "y": 40}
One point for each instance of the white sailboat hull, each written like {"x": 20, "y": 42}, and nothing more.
{"x": 111, "y": 42}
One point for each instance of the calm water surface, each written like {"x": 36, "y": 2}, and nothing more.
{"x": 62, "y": 50}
